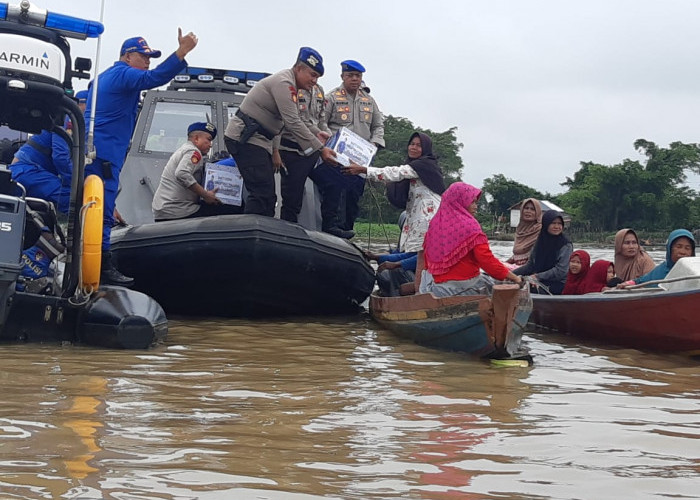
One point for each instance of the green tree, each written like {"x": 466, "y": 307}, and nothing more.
{"x": 374, "y": 205}
{"x": 506, "y": 192}
{"x": 648, "y": 195}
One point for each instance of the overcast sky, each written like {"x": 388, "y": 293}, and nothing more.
{"x": 533, "y": 87}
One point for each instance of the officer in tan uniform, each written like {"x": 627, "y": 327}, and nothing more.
{"x": 180, "y": 194}
{"x": 288, "y": 158}
{"x": 269, "y": 107}
{"x": 348, "y": 105}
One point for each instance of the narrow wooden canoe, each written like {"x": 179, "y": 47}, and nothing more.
{"x": 479, "y": 325}
{"x": 651, "y": 319}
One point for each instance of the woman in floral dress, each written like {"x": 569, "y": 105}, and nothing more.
{"x": 415, "y": 186}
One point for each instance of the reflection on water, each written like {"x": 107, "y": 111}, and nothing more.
{"x": 339, "y": 408}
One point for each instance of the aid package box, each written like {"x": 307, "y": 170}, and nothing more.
{"x": 350, "y": 146}
{"x": 229, "y": 181}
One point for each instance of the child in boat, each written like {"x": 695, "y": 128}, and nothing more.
{"x": 579, "y": 264}
{"x": 680, "y": 243}
{"x": 601, "y": 272}
{"x": 456, "y": 248}
{"x": 549, "y": 260}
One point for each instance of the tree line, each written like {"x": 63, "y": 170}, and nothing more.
{"x": 648, "y": 195}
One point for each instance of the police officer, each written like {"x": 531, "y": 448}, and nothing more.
{"x": 180, "y": 194}
{"x": 288, "y": 158}
{"x": 270, "y": 106}
{"x": 118, "y": 93}
{"x": 348, "y": 105}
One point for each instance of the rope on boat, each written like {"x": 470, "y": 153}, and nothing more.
{"x": 79, "y": 298}
{"x": 379, "y": 214}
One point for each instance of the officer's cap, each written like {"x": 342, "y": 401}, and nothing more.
{"x": 203, "y": 127}
{"x": 138, "y": 44}
{"x": 311, "y": 58}
{"x": 81, "y": 96}
{"x": 351, "y": 65}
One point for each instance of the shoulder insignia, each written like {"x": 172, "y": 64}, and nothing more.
{"x": 293, "y": 92}
{"x": 196, "y": 156}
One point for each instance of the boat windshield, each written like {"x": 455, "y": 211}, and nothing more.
{"x": 168, "y": 128}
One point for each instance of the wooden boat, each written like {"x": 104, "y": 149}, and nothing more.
{"x": 479, "y": 325}
{"x": 243, "y": 265}
{"x": 652, "y": 319}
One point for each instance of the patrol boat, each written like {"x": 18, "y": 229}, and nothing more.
{"x": 36, "y": 74}
{"x": 226, "y": 265}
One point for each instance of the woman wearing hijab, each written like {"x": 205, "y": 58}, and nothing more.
{"x": 527, "y": 231}
{"x": 549, "y": 260}
{"x": 579, "y": 265}
{"x": 415, "y": 186}
{"x": 631, "y": 261}
{"x": 456, "y": 248}
{"x": 680, "y": 243}
{"x": 602, "y": 271}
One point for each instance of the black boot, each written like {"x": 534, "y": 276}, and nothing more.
{"x": 109, "y": 274}
{"x": 340, "y": 233}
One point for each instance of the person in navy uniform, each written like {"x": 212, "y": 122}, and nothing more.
{"x": 351, "y": 106}
{"x": 44, "y": 166}
{"x": 118, "y": 93}
{"x": 270, "y": 107}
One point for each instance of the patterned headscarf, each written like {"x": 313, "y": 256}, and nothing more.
{"x": 527, "y": 231}
{"x": 453, "y": 232}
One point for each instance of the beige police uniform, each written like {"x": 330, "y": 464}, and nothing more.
{"x": 272, "y": 102}
{"x": 173, "y": 199}
{"x": 359, "y": 113}
{"x": 311, "y": 105}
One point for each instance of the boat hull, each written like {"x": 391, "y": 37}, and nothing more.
{"x": 243, "y": 265}
{"x": 660, "y": 321}
{"x": 112, "y": 317}
{"x": 458, "y": 323}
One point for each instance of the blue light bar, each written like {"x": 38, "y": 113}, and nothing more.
{"x": 71, "y": 26}
{"x": 3, "y": 11}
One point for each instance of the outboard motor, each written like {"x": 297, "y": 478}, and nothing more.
{"x": 12, "y": 217}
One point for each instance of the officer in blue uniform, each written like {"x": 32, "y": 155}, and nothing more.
{"x": 118, "y": 94}
{"x": 43, "y": 166}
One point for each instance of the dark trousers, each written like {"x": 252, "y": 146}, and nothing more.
{"x": 292, "y": 182}
{"x": 340, "y": 196}
{"x": 255, "y": 165}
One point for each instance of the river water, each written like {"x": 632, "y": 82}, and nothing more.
{"x": 340, "y": 408}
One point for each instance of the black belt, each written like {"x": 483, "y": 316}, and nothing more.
{"x": 290, "y": 144}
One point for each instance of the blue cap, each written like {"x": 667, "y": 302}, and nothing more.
{"x": 311, "y": 58}
{"x": 138, "y": 44}
{"x": 203, "y": 127}
{"x": 350, "y": 65}
{"x": 81, "y": 96}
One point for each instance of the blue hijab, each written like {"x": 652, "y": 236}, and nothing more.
{"x": 660, "y": 271}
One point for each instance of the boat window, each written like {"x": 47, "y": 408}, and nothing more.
{"x": 10, "y": 141}
{"x": 168, "y": 128}
{"x": 231, "y": 109}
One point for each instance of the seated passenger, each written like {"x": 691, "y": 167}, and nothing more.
{"x": 680, "y": 243}
{"x": 180, "y": 194}
{"x": 44, "y": 167}
{"x": 395, "y": 268}
{"x": 579, "y": 265}
{"x": 631, "y": 261}
{"x": 549, "y": 260}
{"x": 602, "y": 271}
{"x": 527, "y": 231}
{"x": 456, "y": 248}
